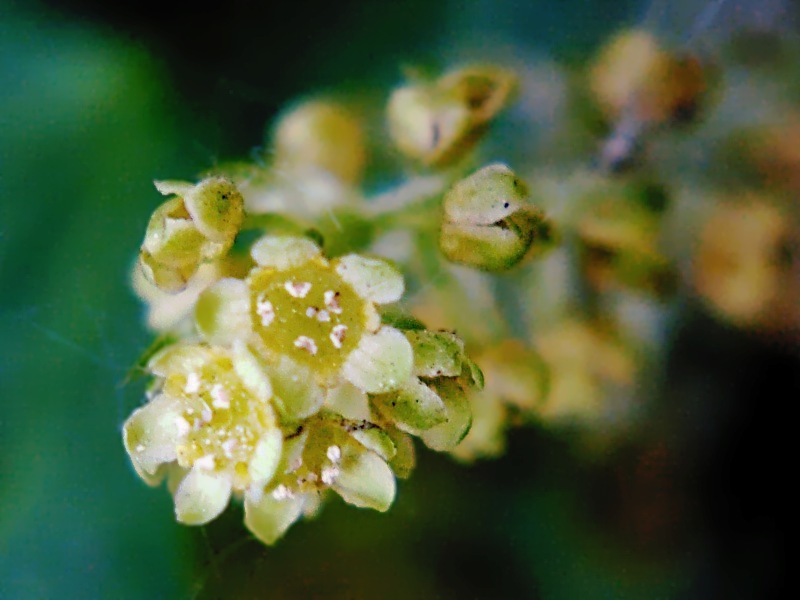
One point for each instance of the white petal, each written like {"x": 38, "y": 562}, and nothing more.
{"x": 414, "y": 408}
{"x": 179, "y": 358}
{"x": 349, "y": 401}
{"x": 251, "y": 371}
{"x": 372, "y": 279}
{"x": 449, "y": 434}
{"x": 151, "y": 434}
{"x": 201, "y": 496}
{"x": 297, "y": 395}
{"x": 222, "y": 312}
{"x": 269, "y": 518}
{"x": 283, "y": 252}
{"x": 365, "y": 480}
{"x": 266, "y": 457}
{"x": 377, "y": 440}
{"x": 170, "y": 187}
{"x": 381, "y": 362}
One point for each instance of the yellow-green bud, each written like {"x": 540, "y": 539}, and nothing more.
{"x": 321, "y": 135}
{"x": 437, "y": 123}
{"x": 198, "y": 225}
{"x": 488, "y": 223}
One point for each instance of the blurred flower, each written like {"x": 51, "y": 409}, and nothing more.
{"x": 516, "y": 387}
{"x": 437, "y": 122}
{"x": 743, "y": 263}
{"x": 319, "y": 135}
{"x": 619, "y": 232}
{"x": 634, "y": 74}
{"x": 589, "y": 370}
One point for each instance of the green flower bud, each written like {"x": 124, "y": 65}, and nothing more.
{"x": 199, "y": 225}
{"x": 488, "y": 223}
{"x": 321, "y": 135}
{"x": 432, "y": 403}
{"x": 437, "y": 123}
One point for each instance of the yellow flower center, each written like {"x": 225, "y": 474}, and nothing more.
{"x": 308, "y": 313}
{"x": 221, "y": 421}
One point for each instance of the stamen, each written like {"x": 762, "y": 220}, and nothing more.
{"x": 282, "y": 493}
{"x": 334, "y": 454}
{"x": 206, "y": 414}
{"x": 221, "y": 397}
{"x": 311, "y": 311}
{"x": 329, "y": 475}
{"x": 228, "y": 446}
{"x": 192, "y": 384}
{"x": 297, "y": 289}
{"x": 265, "y": 310}
{"x": 337, "y": 335}
{"x": 307, "y": 344}
{"x": 332, "y": 301}
{"x": 323, "y": 316}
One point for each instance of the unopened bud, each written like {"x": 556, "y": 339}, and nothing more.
{"x": 321, "y": 135}
{"x": 197, "y": 226}
{"x": 488, "y": 223}
{"x": 634, "y": 73}
{"x": 437, "y": 123}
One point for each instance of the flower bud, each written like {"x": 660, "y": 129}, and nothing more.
{"x": 322, "y": 136}
{"x": 620, "y": 236}
{"x": 437, "y": 123}
{"x": 633, "y": 73}
{"x": 742, "y": 267}
{"x": 488, "y": 223}
{"x": 198, "y": 225}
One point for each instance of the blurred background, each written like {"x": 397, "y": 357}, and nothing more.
{"x": 98, "y": 99}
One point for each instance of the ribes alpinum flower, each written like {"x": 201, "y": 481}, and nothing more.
{"x": 211, "y": 422}
{"x": 313, "y": 321}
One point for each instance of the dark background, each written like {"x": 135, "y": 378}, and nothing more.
{"x": 97, "y": 99}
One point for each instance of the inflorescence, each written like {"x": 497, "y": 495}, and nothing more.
{"x": 308, "y": 334}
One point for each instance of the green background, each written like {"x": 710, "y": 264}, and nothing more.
{"x": 95, "y": 103}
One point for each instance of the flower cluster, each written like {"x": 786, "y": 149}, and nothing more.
{"x": 291, "y": 385}
{"x": 298, "y": 365}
